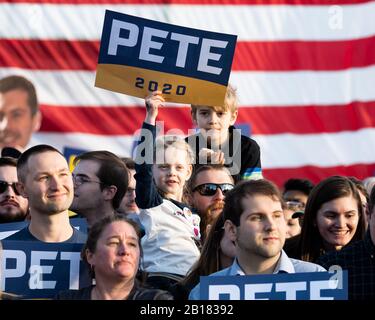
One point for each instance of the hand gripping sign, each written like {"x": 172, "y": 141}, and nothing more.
{"x": 138, "y": 56}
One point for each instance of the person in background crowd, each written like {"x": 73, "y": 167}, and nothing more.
{"x": 364, "y": 195}
{"x": 13, "y": 207}
{"x": 100, "y": 182}
{"x": 45, "y": 180}
{"x": 368, "y": 183}
{"x": 113, "y": 253}
{"x": 333, "y": 218}
{"x": 206, "y": 191}
{"x": 254, "y": 221}
{"x": 297, "y": 190}
{"x": 218, "y": 252}
{"x": 171, "y": 243}
{"x": 293, "y": 213}
{"x": 19, "y": 112}
{"x": 128, "y": 204}
{"x": 358, "y": 259}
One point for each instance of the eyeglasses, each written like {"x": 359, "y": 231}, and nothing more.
{"x": 79, "y": 180}
{"x": 209, "y": 189}
{"x": 4, "y": 186}
{"x": 295, "y": 205}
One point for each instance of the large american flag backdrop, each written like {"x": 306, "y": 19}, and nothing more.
{"x": 304, "y": 70}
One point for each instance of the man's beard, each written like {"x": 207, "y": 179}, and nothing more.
{"x": 6, "y": 217}
{"x": 214, "y": 210}
{"x": 209, "y": 216}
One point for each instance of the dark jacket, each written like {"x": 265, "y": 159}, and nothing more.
{"x": 248, "y": 168}
{"x": 137, "y": 293}
{"x": 359, "y": 259}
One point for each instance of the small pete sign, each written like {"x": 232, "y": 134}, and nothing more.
{"x": 138, "y": 56}
{"x": 281, "y": 286}
{"x": 33, "y": 269}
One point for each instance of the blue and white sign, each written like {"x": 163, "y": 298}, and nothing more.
{"x": 7, "y": 229}
{"x": 138, "y": 56}
{"x": 282, "y": 286}
{"x": 40, "y": 270}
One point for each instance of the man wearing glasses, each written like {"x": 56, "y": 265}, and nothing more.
{"x": 100, "y": 182}
{"x": 13, "y": 207}
{"x": 206, "y": 192}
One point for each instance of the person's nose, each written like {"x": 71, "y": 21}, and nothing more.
{"x": 132, "y": 195}
{"x": 270, "y": 224}
{"x": 172, "y": 171}
{"x": 219, "y": 195}
{"x": 213, "y": 118}
{"x": 3, "y": 121}
{"x": 9, "y": 191}
{"x": 340, "y": 222}
{"x": 55, "y": 183}
{"x": 122, "y": 249}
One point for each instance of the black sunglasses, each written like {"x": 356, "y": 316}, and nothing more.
{"x": 209, "y": 189}
{"x": 4, "y": 185}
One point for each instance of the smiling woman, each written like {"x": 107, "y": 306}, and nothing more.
{"x": 333, "y": 218}
{"x": 113, "y": 253}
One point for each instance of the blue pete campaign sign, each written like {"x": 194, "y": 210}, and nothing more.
{"x": 281, "y": 286}
{"x": 40, "y": 270}
{"x": 138, "y": 56}
{"x": 7, "y": 229}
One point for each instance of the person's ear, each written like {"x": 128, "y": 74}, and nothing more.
{"x": 21, "y": 189}
{"x": 231, "y": 230}
{"x": 233, "y": 117}
{"x": 194, "y": 117}
{"x": 37, "y": 121}
{"x": 89, "y": 257}
{"x": 109, "y": 192}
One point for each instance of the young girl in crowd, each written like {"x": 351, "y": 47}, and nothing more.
{"x": 170, "y": 244}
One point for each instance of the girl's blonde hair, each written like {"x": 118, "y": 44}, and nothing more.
{"x": 162, "y": 143}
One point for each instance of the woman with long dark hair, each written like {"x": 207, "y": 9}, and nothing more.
{"x": 333, "y": 218}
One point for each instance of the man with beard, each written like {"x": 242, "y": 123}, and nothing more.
{"x": 13, "y": 207}
{"x": 254, "y": 220}
{"x": 206, "y": 192}
{"x": 19, "y": 112}
{"x": 45, "y": 180}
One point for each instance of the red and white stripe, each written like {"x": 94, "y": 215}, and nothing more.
{"x": 305, "y": 81}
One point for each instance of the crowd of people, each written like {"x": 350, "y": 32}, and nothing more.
{"x": 181, "y": 208}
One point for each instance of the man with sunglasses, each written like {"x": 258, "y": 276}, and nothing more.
{"x": 100, "y": 182}
{"x": 13, "y": 207}
{"x": 206, "y": 192}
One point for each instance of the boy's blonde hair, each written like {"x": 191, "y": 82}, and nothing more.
{"x": 230, "y": 102}
{"x": 162, "y": 143}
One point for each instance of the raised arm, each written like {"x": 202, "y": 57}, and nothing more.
{"x": 147, "y": 195}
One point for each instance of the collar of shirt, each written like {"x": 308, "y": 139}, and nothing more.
{"x": 284, "y": 265}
